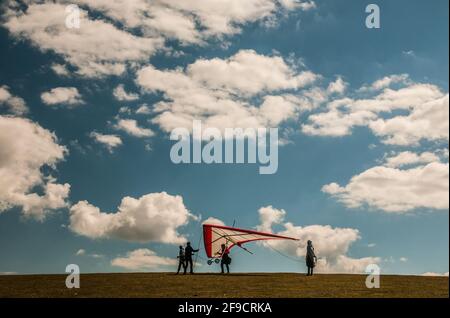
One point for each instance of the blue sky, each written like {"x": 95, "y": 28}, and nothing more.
{"x": 405, "y": 234}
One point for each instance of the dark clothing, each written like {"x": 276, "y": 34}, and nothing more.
{"x": 310, "y": 259}
{"x": 188, "y": 251}
{"x": 181, "y": 262}
{"x": 189, "y": 264}
{"x": 226, "y": 260}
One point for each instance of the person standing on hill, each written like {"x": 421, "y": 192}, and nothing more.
{"x": 226, "y": 259}
{"x": 188, "y": 251}
{"x": 181, "y": 260}
{"x": 311, "y": 258}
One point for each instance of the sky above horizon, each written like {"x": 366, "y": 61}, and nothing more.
{"x": 86, "y": 114}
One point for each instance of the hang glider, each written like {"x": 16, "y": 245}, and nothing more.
{"x": 216, "y": 235}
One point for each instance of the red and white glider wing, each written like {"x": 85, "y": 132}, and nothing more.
{"x": 216, "y": 235}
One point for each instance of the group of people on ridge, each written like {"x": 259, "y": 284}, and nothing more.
{"x": 185, "y": 258}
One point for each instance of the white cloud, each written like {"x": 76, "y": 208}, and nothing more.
{"x": 337, "y": 87}
{"x": 97, "y": 48}
{"x": 125, "y": 110}
{"x": 335, "y": 123}
{"x": 143, "y": 259}
{"x": 60, "y": 69}
{"x": 110, "y": 141}
{"x": 8, "y": 273}
{"x": 154, "y": 217}
{"x": 403, "y": 259}
{"x": 212, "y": 220}
{"x": 143, "y": 109}
{"x": 178, "y": 19}
{"x": 434, "y": 274}
{"x": 218, "y": 92}
{"x": 80, "y": 252}
{"x": 25, "y": 148}
{"x": 120, "y": 94}
{"x": 131, "y": 127}
{"x": 269, "y": 216}
{"x": 331, "y": 244}
{"x": 426, "y": 104}
{"x": 387, "y": 81}
{"x": 14, "y": 104}
{"x": 298, "y": 4}
{"x": 248, "y": 73}
{"x": 409, "y": 158}
{"x": 396, "y": 190}
{"x": 429, "y": 121}
{"x": 62, "y": 95}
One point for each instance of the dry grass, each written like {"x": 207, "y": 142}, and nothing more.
{"x": 274, "y": 285}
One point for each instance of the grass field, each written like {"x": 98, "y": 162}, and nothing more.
{"x": 210, "y": 285}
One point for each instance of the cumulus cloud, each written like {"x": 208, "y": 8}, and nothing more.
{"x": 298, "y": 4}
{"x": 122, "y": 95}
{"x": 109, "y": 141}
{"x": 337, "y": 87}
{"x": 387, "y": 81}
{"x": 429, "y": 121}
{"x": 131, "y": 127}
{"x": 14, "y": 104}
{"x": 25, "y": 149}
{"x": 97, "y": 48}
{"x": 219, "y": 91}
{"x": 62, "y": 95}
{"x": 396, "y": 190}
{"x": 336, "y": 123}
{"x": 427, "y": 118}
{"x": 188, "y": 21}
{"x": 248, "y": 73}
{"x": 154, "y": 217}
{"x": 212, "y": 220}
{"x": 191, "y": 21}
{"x": 269, "y": 216}
{"x": 410, "y": 158}
{"x": 143, "y": 259}
{"x": 60, "y": 69}
{"x": 331, "y": 244}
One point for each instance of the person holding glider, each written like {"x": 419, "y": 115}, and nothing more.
{"x": 188, "y": 251}
{"x": 311, "y": 258}
{"x": 220, "y": 239}
{"x": 226, "y": 259}
{"x": 181, "y": 260}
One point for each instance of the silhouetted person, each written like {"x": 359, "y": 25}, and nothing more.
{"x": 181, "y": 260}
{"x": 226, "y": 259}
{"x": 188, "y": 251}
{"x": 310, "y": 258}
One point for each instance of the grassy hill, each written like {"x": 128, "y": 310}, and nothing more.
{"x": 213, "y": 285}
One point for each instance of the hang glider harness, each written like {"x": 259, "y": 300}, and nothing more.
{"x": 216, "y": 235}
